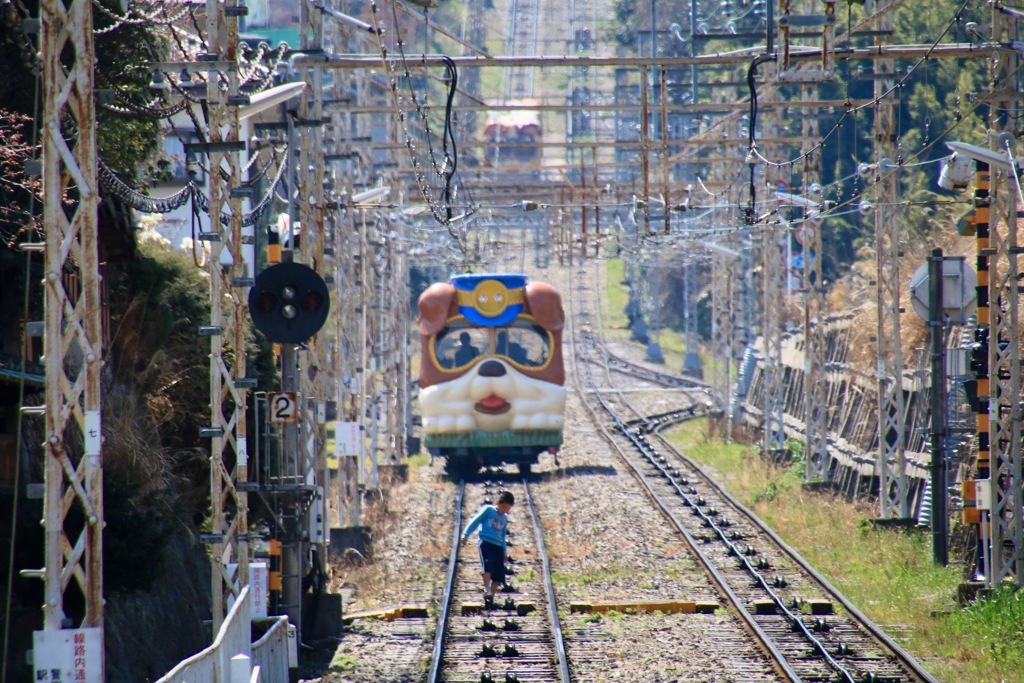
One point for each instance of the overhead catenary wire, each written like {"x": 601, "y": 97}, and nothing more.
{"x": 854, "y": 109}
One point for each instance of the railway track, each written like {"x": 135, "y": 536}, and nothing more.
{"x": 522, "y": 42}
{"x": 517, "y": 635}
{"x": 792, "y": 613}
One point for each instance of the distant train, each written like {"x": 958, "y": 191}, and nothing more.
{"x": 514, "y": 135}
{"x": 491, "y": 374}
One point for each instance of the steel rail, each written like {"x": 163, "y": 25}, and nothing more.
{"x": 766, "y": 641}
{"x": 873, "y": 629}
{"x": 695, "y": 504}
{"x": 549, "y": 589}
{"x": 719, "y": 580}
{"x": 446, "y": 600}
{"x": 904, "y": 658}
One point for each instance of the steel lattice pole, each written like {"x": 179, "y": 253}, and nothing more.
{"x": 722, "y": 332}
{"x": 313, "y": 389}
{"x": 73, "y": 328}
{"x": 228, "y": 319}
{"x": 344, "y": 161}
{"x": 775, "y": 275}
{"x": 1004, "y": 343}
{"x": 774, "y": 272}
{"x": 1005, "y": 390}
{"x": 818, "y": 465}
{"x": 893, "y": 492}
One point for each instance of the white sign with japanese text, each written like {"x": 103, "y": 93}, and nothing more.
{"x": 346, "y": 438}
{"x": 68, "y": 656}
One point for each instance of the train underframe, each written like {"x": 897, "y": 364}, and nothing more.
{"x": 466, "y": 461}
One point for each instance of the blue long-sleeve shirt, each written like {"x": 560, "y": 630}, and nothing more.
{"x": 493, "y": 526}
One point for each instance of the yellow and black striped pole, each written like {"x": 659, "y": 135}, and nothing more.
{"x": 971, "y": 512}
{"x": 274, "y": 579}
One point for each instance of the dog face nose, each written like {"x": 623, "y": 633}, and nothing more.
{"x": 491, "y": 368}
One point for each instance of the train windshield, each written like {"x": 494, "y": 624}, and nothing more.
{"x": 524, "y": 343}
{"x": 456, "y": 347}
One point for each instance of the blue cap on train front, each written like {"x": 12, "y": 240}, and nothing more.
{"x": 490, "y": 299}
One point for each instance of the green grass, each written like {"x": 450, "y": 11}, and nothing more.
{"x": 888, "y": 574}
{"x": 616, "y": 296}
{"x": 616, "y": 324}
{"x": 342, "y": 662}
{"x": 419, "y": 460}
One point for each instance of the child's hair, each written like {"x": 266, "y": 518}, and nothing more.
{"x": 507, "y": 497}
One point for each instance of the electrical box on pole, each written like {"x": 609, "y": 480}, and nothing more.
{"x": 289, "y": 303}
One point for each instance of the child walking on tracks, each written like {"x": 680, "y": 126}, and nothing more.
{"x": 493, "y": 523}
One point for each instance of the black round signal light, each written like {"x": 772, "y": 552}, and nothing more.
{"x": 289, "y": 303}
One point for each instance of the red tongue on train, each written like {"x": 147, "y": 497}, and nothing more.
{"x": 493, "y": 402}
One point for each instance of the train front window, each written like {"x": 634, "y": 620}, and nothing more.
{"x": 456, "y": 347}
{"x": 525, "y": 344}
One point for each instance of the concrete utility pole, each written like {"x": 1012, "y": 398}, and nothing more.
{"x": 893, "y": 495}
{"x": 73, "y": 347}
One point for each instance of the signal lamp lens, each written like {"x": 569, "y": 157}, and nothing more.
{"x": 288, "y": 293}
{"x": 289, "y": 311}
{"x": 266, "y": 302}
{"x": 312, "y": 301}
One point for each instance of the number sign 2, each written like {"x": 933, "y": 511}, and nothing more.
{"x": 283, "y": 407}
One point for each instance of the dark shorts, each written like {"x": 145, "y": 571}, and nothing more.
{"x": 492, "y": 558}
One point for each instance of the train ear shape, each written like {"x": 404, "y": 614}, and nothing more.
{"x": 545, "y": 305}
{"x": 435, "y": 304}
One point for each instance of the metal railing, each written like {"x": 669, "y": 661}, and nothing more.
{"x": 269, "y": 655}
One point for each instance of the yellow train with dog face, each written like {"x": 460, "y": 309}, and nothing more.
{"x": 491, "y": 375}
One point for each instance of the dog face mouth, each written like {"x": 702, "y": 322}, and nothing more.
{"x": 492, "y": 405}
